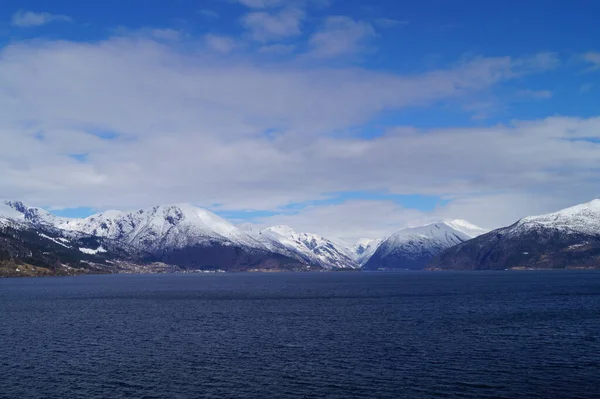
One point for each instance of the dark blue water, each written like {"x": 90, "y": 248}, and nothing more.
{"x": 331, "y": 335}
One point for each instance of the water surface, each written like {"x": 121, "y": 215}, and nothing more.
{"x": 321, "y": 335}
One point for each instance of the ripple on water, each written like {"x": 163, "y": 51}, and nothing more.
{"x": 412, "y": 335}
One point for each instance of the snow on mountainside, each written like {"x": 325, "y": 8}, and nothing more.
{"x": 17, "y": 212}
{"x": 309, "y": 248}
{"x": 172, "y": 226}
{"x": 465, "y": 227}
{"x": 569, "y": 238}
{"x": 180, "y": 235}
{"x": 168, "y": 226}
{"x": 583, "y": 218}
{"x": 413, "y": 248}
{"x": 364, "y": 249}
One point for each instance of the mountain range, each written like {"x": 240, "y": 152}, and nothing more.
{"x": 569, "y": 238}
{"x": 184, "y": 238}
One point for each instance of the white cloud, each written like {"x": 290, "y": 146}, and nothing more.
{"x": 220, "y": 44}
{"x": 593, "y": 58}
{"x": 277, "y": 49}
{"x": 340, "y": 36}
{"x": 543, "y": 60}
{"x": 166, "y": 34}
{"x": 191, "y": 127}
{"x": 264, "y": 26}
{"x": 25, "y": 19}
{"x": 351, "y": 220}
{"x": 357, "y": 219}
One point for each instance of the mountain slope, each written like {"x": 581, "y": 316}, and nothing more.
{"x": 569, "y": 238}
{"x": 308, "y": 248}
{"x": 26, "y": 250}
{"x": 413, "y": 248}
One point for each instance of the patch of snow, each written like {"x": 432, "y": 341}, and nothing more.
{"x": 18, "y": 211}
{"x": 583, "y": 244}
{"x": 90, "y": 251}
{"x": 8, "y": 211}
{"x": 59, "y": 241}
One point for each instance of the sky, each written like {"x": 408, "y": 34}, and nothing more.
{"x": 344, "y": 118}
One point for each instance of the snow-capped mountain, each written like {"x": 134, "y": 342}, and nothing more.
{"x": 183, "y": 235}
{"x": 17, "y": 212}
{"x": 583, "y": 218}
{"x": 308, "y": 248}
{"x": 159, "y": 227}
{"x": 27, "y": 249}
{"x": 364, "y": 249}
{"x": 563, "y": 239}
{"x": 413, "y": 248}
{"x": 163, "y": 227}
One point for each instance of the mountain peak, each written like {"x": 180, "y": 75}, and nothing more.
{"x": 465, "y": 227}
{"x": 592, "y": 206}
{"x": 282, "y": 230}
{"x": 17, "y": 206}
{"x": 582, "y": 218}
{"x": 414, "y": 247}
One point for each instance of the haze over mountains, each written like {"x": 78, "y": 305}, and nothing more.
{"x": 186, "y": 238}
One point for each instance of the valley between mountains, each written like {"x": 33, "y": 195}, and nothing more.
{"x": 184, "y": 238}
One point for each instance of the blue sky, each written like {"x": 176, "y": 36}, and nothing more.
{"x": 273, "y": 111}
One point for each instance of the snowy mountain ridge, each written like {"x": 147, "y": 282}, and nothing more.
{"x": 181, "y": 226}
{"x": 582, "y": 218}
{"x": 173, "y": 226}
{"x": 306, "y": 247}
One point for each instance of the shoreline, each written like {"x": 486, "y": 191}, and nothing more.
{"x": 49, "y": 274}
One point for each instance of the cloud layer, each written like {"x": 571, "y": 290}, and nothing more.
{"x": 25, "y": 19}
{"x": 156, "y": 116}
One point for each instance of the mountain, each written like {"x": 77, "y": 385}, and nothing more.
{"x": 308, "y": 248}
{"x": 163, "y": 227}
{"x": 569, "y": 238}
{"x": 27, "y": 251}
{"x": 364, "y": 249}
{"x": 180, "y": 235}
{"x": 413, "y": 248}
